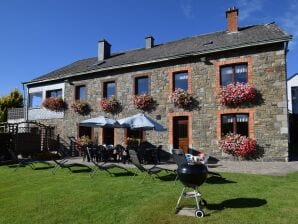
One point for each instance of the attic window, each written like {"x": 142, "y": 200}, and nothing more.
{"x": 207, "y": 43}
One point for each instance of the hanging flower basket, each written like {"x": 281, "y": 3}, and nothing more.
{"x": 110, "y": 105}
{"x": 237, "y": 94}
{"x": 142, "y": 102}
{"x": 54, "y": 104}
{"x": 80, "y": 107}
{"x": 181, "y": 98}
{"x": 238, "y": 145}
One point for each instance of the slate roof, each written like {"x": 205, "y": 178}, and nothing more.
{"x": 196, "y": 45}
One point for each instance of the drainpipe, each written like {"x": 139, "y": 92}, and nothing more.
{"x": 288, "y": 122}
{"x": 25, "y": 97}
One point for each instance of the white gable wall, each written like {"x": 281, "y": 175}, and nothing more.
{"x": 292, "y": 82}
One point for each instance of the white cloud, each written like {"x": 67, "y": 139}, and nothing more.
{"x": 289, "y": 21}
{"x": 187, "y": 9}
{"x": 248, "y": 7}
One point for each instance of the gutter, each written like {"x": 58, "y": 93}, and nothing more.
{"x": 161, "y": 60}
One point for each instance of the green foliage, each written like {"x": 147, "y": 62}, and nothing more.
{"x": 12, "y": 100}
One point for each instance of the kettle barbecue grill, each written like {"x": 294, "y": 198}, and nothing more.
{"x": 192, "y": 175}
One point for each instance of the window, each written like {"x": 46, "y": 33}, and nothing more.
{"x": 180, "y": 81}
{"x": 234, "y": 123}
{"x": 35, "y": 100}
{"x": 80, "y": 92}
{"x": 54, "y": 93}
{"x": 109, "y": 89}
{"x": 142, "y": 85}
{"x": 233, "y": 73}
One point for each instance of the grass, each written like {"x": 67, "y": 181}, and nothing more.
{"x": 36, "y": 196}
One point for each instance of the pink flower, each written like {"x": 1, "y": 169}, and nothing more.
{"x": 181, "y": 98}
{"x": 238, "y": 145}
{"x": 142, "y": 102}
{"x": 109, "y": 105}
{"x": 236, "y": 94}
{"x": 80, "y": 107}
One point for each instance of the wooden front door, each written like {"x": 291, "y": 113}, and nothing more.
{"x": 180, "y": 133}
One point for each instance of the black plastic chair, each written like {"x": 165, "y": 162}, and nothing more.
{"x": 63, "y": 164}
{"x": 148, "y": 171}
{"x": 105, "y": 167}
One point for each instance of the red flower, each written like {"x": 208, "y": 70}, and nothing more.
{"x": 181, "y": 98}
{"x": 109, "y": 105}
{"x": 238, "y": 145}
{"x": 236, "y": 94}
{"x": 54, "y": 103}
{"x": 142, "y": 102}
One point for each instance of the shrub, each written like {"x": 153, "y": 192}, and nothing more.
{"x": 110, "y": 105}
{"x": 181, "y": 98}
{"x": 142, "y": 102}
{"x": 237, "y": 94}
{"x": 238, "y": 145}
{"x": 54, "y": 103}
{"x": 80, "y": 107}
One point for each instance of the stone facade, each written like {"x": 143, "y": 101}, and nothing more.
{"x": 268, "y": 119}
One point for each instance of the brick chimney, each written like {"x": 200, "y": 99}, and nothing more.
{"x": 104, "y": 50}
{"x": 149, "y": 42}
{"x": 232, "y": 19}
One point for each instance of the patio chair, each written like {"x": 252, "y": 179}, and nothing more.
{"x": 20, "y": 160}
{"x": 105, "y": 167}
{"x": 63, "y": 164}
{"x": 148, "y": 171}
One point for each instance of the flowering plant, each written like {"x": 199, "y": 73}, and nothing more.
{"x": 83, "y": 140}
{"x": 237, "y": 93}
{"x": 238, "y": 145}
{"x": 181, "y": 98}
{"x": 80, "y": 107}
{"x": 142, "y": 102}
{"x": 54, "y": 103}
{"x": 109, "y": 105}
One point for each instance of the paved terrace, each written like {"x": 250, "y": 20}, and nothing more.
{"x": 266, "y": 168}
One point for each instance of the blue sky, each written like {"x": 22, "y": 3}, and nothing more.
{"x": 38, "y": 36}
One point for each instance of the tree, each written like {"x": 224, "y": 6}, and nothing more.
{"x": 12, "y": 100}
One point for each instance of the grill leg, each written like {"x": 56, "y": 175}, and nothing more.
{"x": 178, "y": 202}
{"x": 197, "y": 201}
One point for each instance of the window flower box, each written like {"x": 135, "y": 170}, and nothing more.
{"x": 142, "y": 102}
{"x": 109, "y": 105}
{"x": 238, "y": 145}
{"x": 81, "y": 107}
{"x": 54, "y": 104}
{"x": 237, "y": 94}
{"x": 181, "y": 98}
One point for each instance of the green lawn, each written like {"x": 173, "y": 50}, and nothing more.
{"x": 36, "y": 196}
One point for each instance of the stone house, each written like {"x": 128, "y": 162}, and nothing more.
{"x": 200, "y": 65}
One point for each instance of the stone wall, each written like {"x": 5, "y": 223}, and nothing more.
{"x": 269, "y": 123}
